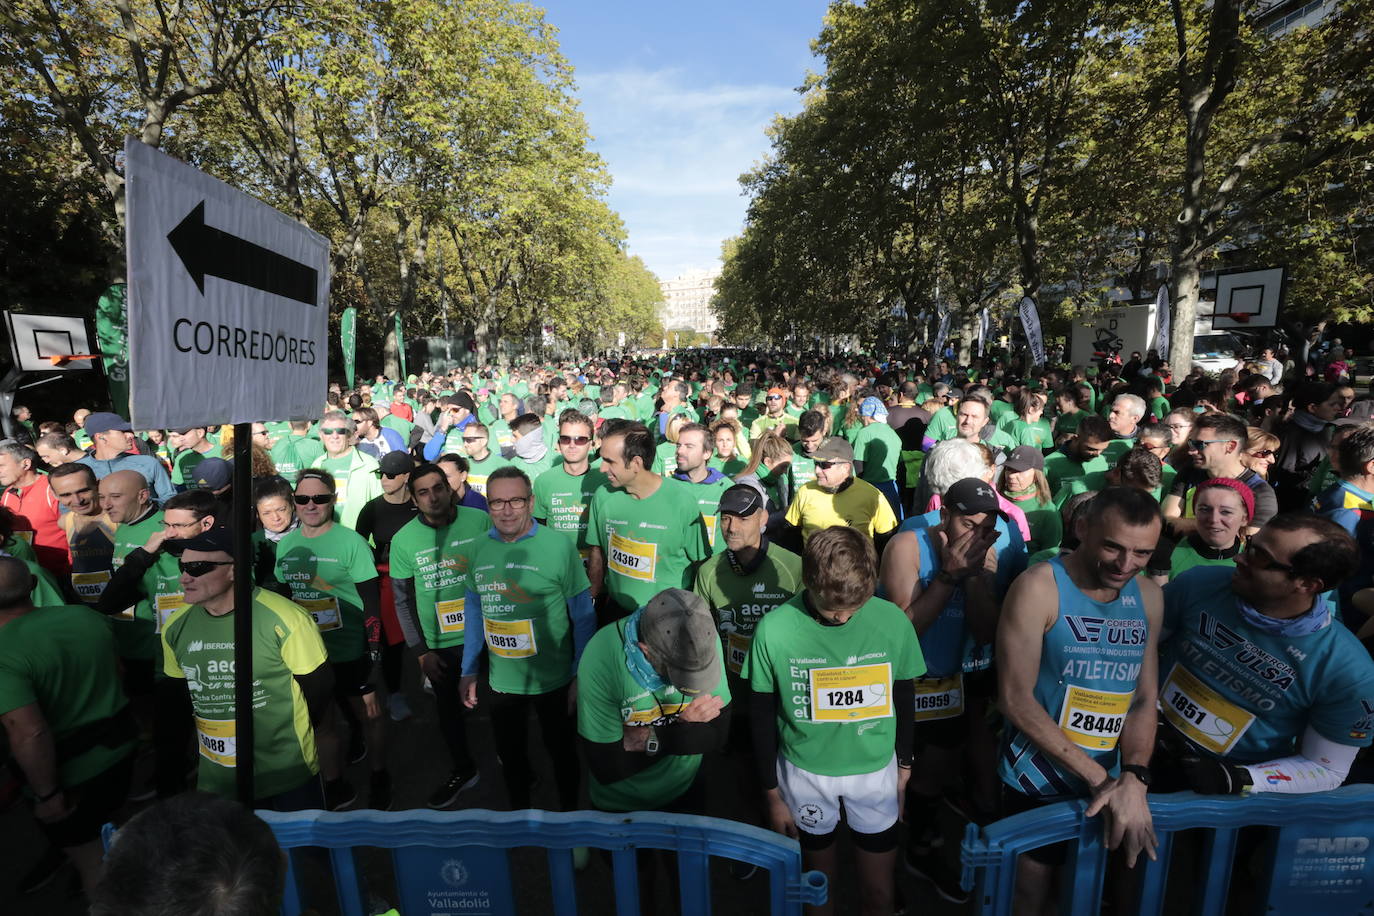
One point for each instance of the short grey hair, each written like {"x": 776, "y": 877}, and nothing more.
{"x": 18, "y": 451}
{"x": 1134, "y": 402}
{"x": 340, "y": 416}
{"x": 952, "y": 461}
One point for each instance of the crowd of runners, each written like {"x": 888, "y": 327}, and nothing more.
{"x": 879, "y": 587}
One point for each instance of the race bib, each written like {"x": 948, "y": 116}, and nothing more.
{"x": 851, "y": 694}
{"x": 90, "y": 585}
{"x": 635, "y": 559}
{"x": 651, "y": 715}
{"x": 939, "y": 697}
{"x": 167, "y": 604}
{"x": 511, "y": 638}
{"x": 324, "y": 611}
{"x": 450, "y": 615}
{"x": 217, "y": 742}
{"x": 478, "y": 482}
{"x": 1092, "y": 719}
{"x": 1199, "y": 712}
{"x": 25, "y": 536}
{"x": 736, "y": 650}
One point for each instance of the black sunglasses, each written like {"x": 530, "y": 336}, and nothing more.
{"x": 319, "y": 499}
{"x": 197, "y": 568}
{"x": 574, "y": 440}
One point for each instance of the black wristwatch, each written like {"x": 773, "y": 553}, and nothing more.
{"x": 948, "y": 578}
{"x": 1139, "y": 772}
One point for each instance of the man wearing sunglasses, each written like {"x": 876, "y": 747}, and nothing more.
{"x": 430, "y": 560}
{"x": 1264, "y": 689}
{"x": 775, "y": 417}
{"x": 456, "y": 413}
{"x": 563, "y": 493}
{"x": 536, "y": 613}
{"x": 290, "y": 672}
{"x": 1216, "y": 445}
{"x": 355, "y": 473}
{"x": 837, "y": 497}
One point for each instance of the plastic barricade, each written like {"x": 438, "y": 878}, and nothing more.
{"x": 458, "y": 861}
{"x": 1319, "y": 858}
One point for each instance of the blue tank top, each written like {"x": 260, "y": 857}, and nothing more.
{"x": 1089, "y": 664}
{"x": 1248, "y": 695}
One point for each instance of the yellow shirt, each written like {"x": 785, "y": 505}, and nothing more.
{"x": 860, "y": 505}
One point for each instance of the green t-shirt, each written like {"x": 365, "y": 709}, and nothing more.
{"x": 1036, "y": 435}
{"x": 1067, "y": 423}
{"x": 479, "y": 471}
{"x": 879, "y": 447}
{"x": 293, "y": 454}
{"x": 732, "y": 468}
{"x": 608, "y": 699}
{"x": 136, "y": 628}
{"x": 199, "y": 648}
{"x": 63, "y": 659}
{"x": 499, "y": 436}
{"x": 562, "y": 500}
{"x": 1045, "y": 521}
{"x": 707, "y": 497}
{"x": 45, "y": 591}
{"x": 1061, "y": 467}
{"x": 650, "y": 544}
{"x": 523, "y": 589}
{"x": 836, "y": 714}
{"x": 802, "y": 468}
{"x": 323, "y": 574}
{"x": 739, "y": 600}
{"x": 184, "y": 465}
{"x": 437, "y": 559}
{"x": 943, "y": 425}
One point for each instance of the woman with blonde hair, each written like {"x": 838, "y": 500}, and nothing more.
{"x": 665, "y": 455}
{"x": 771, "y": 456}
{"x": 1261, "y": 448}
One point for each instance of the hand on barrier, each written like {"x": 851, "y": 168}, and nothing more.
{"x": 1210, "y": 776}
{"x": 1127, "y": 814}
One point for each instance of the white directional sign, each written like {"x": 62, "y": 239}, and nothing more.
{"x": 228, "y": 301}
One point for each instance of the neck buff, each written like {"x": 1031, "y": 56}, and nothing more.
{"x": 531, "y": 445}
{"x": 1302, "y": 625}
{"x": 640, "y": 669}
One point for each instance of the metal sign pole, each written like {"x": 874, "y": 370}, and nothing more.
{"x": 243, "y": 611}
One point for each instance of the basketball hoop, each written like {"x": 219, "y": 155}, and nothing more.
{"x": 72, "y": 357}
{"x": 1242, "y": 317}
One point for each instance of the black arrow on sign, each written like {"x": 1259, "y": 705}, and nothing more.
{"x": 206, "y": 250}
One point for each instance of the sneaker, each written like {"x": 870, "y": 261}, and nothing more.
{"x": 339, "y": 795}
{"x": 398, "y": 707}
{"x": 742, "y": 871}
{"x": 43, "y": 871}
{"x": 379, "y": 791}
{"x": 451, "y": 788}
{"x": 427, "y": 686}
{"x": 932, "y": 869}
{"x": 357, "y": 747}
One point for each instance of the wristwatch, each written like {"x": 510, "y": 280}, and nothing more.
{"x": 1139, "y": 772}
{"x": 651, "y": 745}
{"x": 948, "y": 578}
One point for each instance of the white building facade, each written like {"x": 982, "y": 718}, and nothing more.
{"x": 687, "y": 301}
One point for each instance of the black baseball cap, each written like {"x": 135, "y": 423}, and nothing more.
{"x": 397, "y": 462}
{"x": 1024, "y": 458}
{"x": 972, "y": 496}
{"x": 741, "y": 499}
{"x": 217, "y": 538}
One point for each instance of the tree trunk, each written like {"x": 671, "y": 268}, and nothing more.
{"x": 391, "y": 351}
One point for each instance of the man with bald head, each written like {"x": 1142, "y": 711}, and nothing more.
{"x": 90, "y": 532}
{"x": 67, "y": 720}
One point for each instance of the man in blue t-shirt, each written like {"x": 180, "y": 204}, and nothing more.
{"x": 1263, "y": 689}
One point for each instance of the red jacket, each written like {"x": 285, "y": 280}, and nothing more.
{"x": 35, "y": 509}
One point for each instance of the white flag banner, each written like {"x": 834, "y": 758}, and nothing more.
{"x": 1161, "y": 345}
{"x": 942, "y": 335}
{"x": 1030, "y": 323}
{"x": 984, "y": 325}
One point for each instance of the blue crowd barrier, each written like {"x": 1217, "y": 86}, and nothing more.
{"x": 1318, "y": 857}
{"x": 458, "y": 861}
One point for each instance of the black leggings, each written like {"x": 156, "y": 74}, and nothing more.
{"x": 450, "y": 707}
{"x": 510, "y": 729}
{"x": 392, "y": 659}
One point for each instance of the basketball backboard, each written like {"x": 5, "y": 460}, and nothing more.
{"x": 36, "y": 339}
{"x": 1248, "y": 299}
